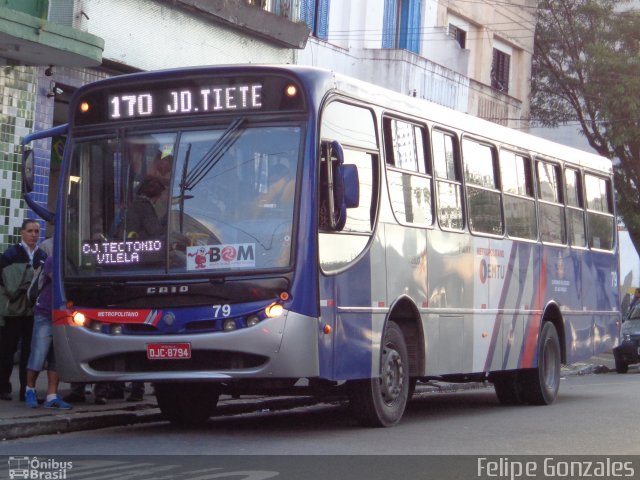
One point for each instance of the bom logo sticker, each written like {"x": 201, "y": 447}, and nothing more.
{"x": 211, "y": 257}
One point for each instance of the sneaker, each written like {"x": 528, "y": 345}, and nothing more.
{"x": 57, "y": 403}
{"x": 74, "y": 398}
{"x": 31, "y": 399}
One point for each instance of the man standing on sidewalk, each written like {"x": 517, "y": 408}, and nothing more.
{"x": 42, "y": 346}
{"x": 16, "y": 270}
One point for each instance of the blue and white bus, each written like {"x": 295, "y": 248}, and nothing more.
{"x": 281, "y": 230}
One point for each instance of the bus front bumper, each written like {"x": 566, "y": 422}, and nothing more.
{"x": 282, "y": 347}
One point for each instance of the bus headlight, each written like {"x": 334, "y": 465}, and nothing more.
{"x": 252, "y": 320}
{"x": 79, "y": 319}
{"x": 274, "y": 310}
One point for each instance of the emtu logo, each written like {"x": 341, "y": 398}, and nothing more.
{"x": 484, "y": 270}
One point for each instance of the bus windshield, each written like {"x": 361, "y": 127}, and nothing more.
{"x": 218, "y": 200}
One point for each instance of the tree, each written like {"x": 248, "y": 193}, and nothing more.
{"x": 586, "y": 68}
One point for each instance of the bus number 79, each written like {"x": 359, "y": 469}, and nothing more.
{"x": 225, "y": 309}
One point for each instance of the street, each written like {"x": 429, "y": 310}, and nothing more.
{"x": 594, "y": 415}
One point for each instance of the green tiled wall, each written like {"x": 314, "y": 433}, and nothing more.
{"x": 18, "y": 96}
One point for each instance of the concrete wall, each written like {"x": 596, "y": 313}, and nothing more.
{"x": 153, "y": 35}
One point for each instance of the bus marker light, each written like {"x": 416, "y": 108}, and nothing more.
{"x": 70, "y": 304}
{"x": 229, "y": 325}
{"x": 274, "y": 310}
{"x": 291, "y": 90}
{"x": 79, "y": 319}
{"x": 327, "y": 329}
{"x": 84, "y": 107}
{"x": 284, "y": 296}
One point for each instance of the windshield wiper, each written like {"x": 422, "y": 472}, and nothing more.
{"x": 212, "y": 157}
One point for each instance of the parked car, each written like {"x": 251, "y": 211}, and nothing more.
{"x": 628, "y": 352}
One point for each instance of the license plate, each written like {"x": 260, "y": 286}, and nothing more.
{"x": 168, "y": 351}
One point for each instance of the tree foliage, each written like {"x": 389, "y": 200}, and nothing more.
{"x": 586, "y": 69}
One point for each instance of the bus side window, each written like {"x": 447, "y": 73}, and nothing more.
{"x": 446, "y": 165}
{"x": 483, "y": 197}
{"x": 600, "y": 220}
{"x": 551, "y": 209}
{"x": 409, "y": 185}
{"x": 575, "y": 208}
{"x": 518, "y": 196}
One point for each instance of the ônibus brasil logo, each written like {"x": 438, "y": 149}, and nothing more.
{"x": 38, "y": 468}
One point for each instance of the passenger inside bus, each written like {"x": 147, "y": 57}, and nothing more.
{"x": 142, "y": 220}
{"x": 160, "y": 170}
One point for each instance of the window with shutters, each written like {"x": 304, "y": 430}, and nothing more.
{"x": 458, "y": 34}
{"x": 500, "y": 70}
{"x": 315, "y": 13}
{"x": 402, "y": 24}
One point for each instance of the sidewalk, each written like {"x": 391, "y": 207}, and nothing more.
{"x": 18, "y": 421}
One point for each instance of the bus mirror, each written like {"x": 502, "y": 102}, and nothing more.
{"x": 27, "y": 170}
{"x": 351, "y": 183}
{"x": 342, "y": 186}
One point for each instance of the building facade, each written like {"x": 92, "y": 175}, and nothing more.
{"x": 474, "y": 57}
{"x": 49, "y": 48}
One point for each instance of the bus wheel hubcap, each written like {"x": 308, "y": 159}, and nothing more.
{"x": 392, "y": 375}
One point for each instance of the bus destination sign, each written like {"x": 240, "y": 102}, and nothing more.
{"x": 185, "y": 101}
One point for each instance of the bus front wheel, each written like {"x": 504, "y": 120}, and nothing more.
{"x": 380, "y": 402}
{"x": 187, "y": 404}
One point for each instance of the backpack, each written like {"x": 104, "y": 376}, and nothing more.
{"x": 36, "y": 286}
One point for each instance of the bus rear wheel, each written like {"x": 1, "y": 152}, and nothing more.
{"x": 542, "y": 383}
{"x": 381, "y": 401}
{"x": 187, "y": 404}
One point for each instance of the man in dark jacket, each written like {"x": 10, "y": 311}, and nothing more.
{"x": 18, "y": 323}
